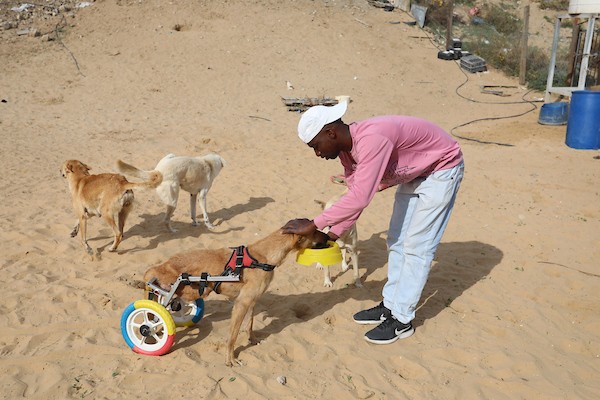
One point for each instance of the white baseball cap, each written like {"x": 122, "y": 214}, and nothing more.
{"x": 315, "y": 118}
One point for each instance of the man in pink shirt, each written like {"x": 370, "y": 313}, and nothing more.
{"x": 427, "y": 165}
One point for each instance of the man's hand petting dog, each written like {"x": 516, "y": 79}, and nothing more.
{"x": 306, "y": 227}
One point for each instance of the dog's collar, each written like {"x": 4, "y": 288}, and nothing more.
{"x": 241, "y": 258}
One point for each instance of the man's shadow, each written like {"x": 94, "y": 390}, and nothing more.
{"x": 458, "y": 266}
{"x": 153, "y": 226}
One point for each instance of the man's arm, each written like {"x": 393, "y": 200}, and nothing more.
{"x": 373, "y": 158}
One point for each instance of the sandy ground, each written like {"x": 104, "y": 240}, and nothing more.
{"x": 511, "y": 307}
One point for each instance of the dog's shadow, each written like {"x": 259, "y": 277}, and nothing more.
{"x": 153, "y": 227}
{"x": 459, "y": 266}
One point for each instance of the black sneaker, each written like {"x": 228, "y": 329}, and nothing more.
{"x": 374, "y": 315}
{"x": 389, "y": 331}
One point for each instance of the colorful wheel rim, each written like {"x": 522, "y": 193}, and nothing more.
{"x": 148, "y": 328}
{"x": 190, "y": 313}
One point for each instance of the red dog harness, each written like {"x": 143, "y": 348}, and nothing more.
{"x": 241, "y": 258}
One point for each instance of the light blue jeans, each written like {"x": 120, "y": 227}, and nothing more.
{"x": 422, "y": 209}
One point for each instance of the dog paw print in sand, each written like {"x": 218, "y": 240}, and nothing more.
{"x": 132, "y": 282}
{"x": 195, "y": 356}
{"x": 330, "y": 320}
{"x": 301, "y": 311}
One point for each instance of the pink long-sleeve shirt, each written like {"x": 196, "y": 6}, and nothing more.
{"x": 391, "y": 149}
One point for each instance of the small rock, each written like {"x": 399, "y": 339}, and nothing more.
{"x": 34, "y": 33}
{"x": 281, "y": 379}
{"x": 7, "y": 25}
{"x": 22, "y": 32}
{"x": 22, "y": 7}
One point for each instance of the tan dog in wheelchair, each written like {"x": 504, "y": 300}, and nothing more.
{"x": 266, "y": 254}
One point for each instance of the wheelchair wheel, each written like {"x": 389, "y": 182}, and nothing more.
{"x": 148, "y": 328}
{"x": 188, "y": 314}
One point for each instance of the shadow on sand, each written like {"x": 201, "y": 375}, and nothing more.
{"x": 153, "y": 227}
{"x": 459, "y": 266}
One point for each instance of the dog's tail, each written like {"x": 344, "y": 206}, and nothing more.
{"x": 151, "y": 178}
{"x": 217, "y": 161}
{"x": 133, "y": 171}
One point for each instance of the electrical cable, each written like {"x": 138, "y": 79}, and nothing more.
{"x": 523, "y": 101}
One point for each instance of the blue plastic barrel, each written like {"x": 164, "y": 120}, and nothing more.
{"x": 554, "y": 113}
{"x": 583, "y": 126}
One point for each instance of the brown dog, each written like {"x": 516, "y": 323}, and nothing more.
{"x": 105, "y": 195}
{"x": 270, "y": 250}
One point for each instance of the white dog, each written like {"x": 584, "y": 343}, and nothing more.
{"x": 348, "y": 244}
{"x": 192, "y": 174}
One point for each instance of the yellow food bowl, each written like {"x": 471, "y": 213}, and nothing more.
{"x": 328, "y": 256}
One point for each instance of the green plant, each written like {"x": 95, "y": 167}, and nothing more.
{"x": 557, "y": 5}
{"x": 537, "y": 69}
{"x": 566, "y": 23}
{"x": 502, "y": 19}
{"x": 498, "y": 40}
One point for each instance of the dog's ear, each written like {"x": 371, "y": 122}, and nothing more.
{"x": 317, "y": 239}
{"x": 302, "y": 242}
{"x": 83, "y": 168}
{"x": 320, "y": 238}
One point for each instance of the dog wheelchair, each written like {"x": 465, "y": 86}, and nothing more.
{"x": 148, "y": 326}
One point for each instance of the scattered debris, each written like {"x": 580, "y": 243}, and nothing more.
{"x": 257, "y": 117}
{"x": 32, "y": 32}
{"x": 403, "y": 5}
{"x": 455, "y": 53}
{"x": 302, "y": 104}
{"x": 362, "y": 22}
{"x": 477, "y": 21}
{"x": 486, "y": 90}
{"x": 473, "y": 63}
{"x": 419, "y": 13}
{"x": 386, "y": 5}
{"x": 474, "y": 11}
{"x": 35, "y": 15}
{"x": 22, "y": 7}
